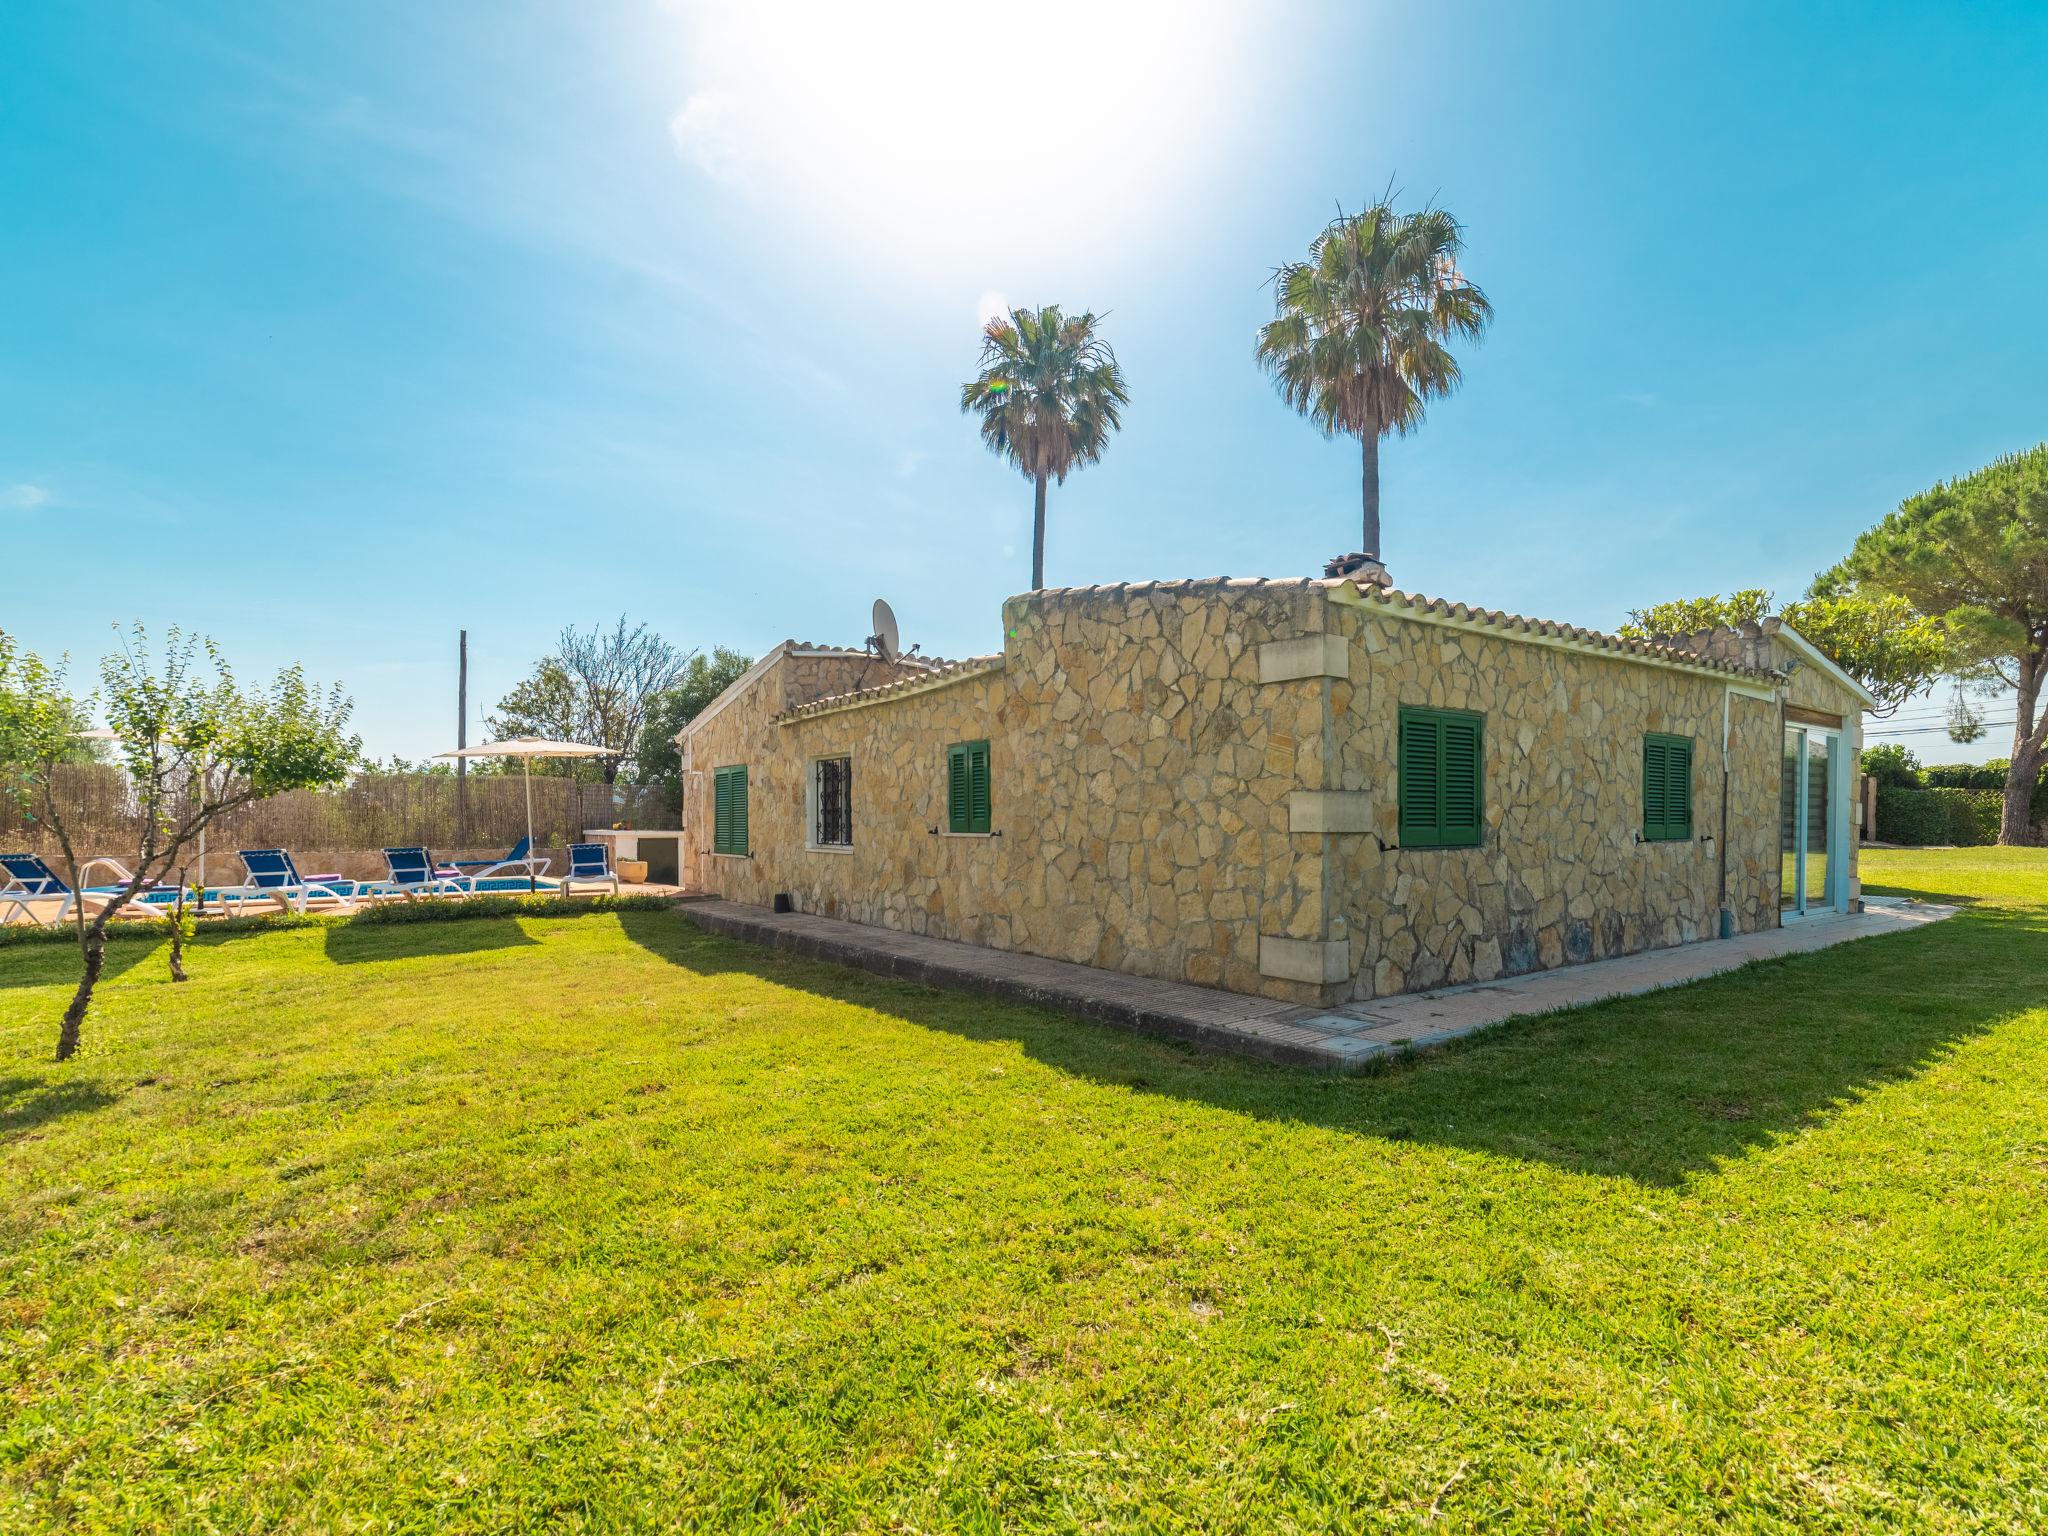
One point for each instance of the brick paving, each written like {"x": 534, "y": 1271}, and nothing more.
{"x": 1342, "y": 1038}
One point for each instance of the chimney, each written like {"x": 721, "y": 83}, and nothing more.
{"x": 1359, "y": 567}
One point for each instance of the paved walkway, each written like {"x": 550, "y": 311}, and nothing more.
{"x": 1342, "y": 1038}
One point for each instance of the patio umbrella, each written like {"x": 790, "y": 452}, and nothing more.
{"x": 526, "y": 749}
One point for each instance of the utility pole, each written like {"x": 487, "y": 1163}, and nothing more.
{"x": 461, "y": 741}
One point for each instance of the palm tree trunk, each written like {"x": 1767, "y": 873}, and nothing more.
{"x": 1038, "y": 539}
{"x": 1370, "y": 442}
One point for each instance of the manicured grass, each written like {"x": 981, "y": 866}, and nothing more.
{"x": 593, "y": 1223}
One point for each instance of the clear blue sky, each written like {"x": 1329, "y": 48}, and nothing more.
{"x": 331, "y": 329}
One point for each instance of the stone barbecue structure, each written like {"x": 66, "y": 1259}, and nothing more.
{"x": 1316, "y": 790}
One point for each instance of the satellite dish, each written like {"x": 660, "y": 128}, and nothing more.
{"x": 886, "y": 639}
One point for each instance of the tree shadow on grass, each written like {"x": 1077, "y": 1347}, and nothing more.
{"x": 43, "y": 964}
{"x": 355, "y": 943}
{"x": 1655, "y": 1089}
{"x": 29, "y": 1102}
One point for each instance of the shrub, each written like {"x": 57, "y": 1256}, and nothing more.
{"x": 1893, "y": 766}
{"x": 1965, "y": 776}
{"x": 441, "y": 909}
{"x": 436, "y": 909}
{"x": 157, "y": 926}
{"x": 1990, "y": 776}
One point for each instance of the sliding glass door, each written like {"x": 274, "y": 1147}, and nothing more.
{"x": 1812, "y": 822}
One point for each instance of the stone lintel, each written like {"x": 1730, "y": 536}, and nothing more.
{"x": 1316, "y": 961}
{"x": 1283, "y": 661}
{"x": 1329, "y": 810}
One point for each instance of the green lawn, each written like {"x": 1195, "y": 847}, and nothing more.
{"x": 596, "y": 1224}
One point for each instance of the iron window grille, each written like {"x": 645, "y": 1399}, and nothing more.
{"x": 835, "y": 802}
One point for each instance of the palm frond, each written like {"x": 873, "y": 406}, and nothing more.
{"x": 1049, "y": 391}
{"x": 1356, "y": 343}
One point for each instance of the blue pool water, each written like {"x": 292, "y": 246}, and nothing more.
{"x": 214, "y": 895}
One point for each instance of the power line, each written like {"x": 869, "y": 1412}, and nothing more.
{"x": 1931, "y": 730}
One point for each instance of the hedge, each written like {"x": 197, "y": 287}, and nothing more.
{"x": 1959, "y": 817}
{"x": 426, "y": 910}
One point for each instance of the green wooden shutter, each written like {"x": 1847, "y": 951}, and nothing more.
{"x": 957, "y": 814}
{"x": 1678, "y": 789}
{"x": 1464, "y": 763}
{"x": 1656, "y": 770}
{"x": 729, "y": 810}
{"x": 968, "y": 794}
{"x": 978, "y": 808}
{"x": 1667, "y": 788}
{"x": 1441, "y": 778}
{"x": 1421, "y": 779}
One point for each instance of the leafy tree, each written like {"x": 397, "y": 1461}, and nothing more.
{"x": 1893, "y": 766}
{"x": 658, "y": 762}
{"x": 1973, "y": 552}
{"x": 1357, "y": 343}
{"x": 1049, "y": 394}
{"x": 398, "y": 765}
{"x": 1690, "y": 615}
{"x": 1965, "y": 721}
{"x": 39, "y": 721}
{"x": 196, "y": 745}
{"x": 596, "y": 688}
{"x": 1876, "y": 638}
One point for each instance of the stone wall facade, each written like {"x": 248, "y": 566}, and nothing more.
{"x": 1196, "y": 780}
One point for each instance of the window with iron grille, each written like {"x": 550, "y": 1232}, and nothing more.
{"x": 834, "y": 826}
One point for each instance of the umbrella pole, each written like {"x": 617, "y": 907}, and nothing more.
{"x": 531, "y": 885}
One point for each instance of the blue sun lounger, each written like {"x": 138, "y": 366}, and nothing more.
{"x": 273, "y": 876}
{"x": 589, "y": 864}
{"x": 520, "y": 860}
{"x": 30, "y": 879}
{"x": 413, "y": 872}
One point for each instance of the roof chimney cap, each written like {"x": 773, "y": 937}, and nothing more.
{"x": 1359, "y": 566}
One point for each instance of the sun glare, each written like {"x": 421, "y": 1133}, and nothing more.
{"x": 920, "y": 122}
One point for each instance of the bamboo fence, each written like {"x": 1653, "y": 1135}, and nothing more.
{"x": 342, "y": 830}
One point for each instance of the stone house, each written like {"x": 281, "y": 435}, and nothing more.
{"x": 1316, "y": 790}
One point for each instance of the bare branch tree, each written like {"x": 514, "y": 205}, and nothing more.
{"x": 596, "y": 688}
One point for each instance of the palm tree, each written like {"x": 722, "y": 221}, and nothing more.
{"x": 1049, "y": 394}
{"x": 1357, "y": 339}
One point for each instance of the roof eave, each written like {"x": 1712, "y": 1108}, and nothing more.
{"x": 1820, "y": 658}
{"x": 1542, "y": 632}
{"x": 889, "y": 693}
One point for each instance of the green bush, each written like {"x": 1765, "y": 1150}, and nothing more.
{"x": 427, "y": 909}
{"x": 1965, "y": 775}
{"x": 158, "y": 927}
{"x": 1962, "y": 817}
{"x": 1893, "y": 766}
{"x": 441, "y": 909}
{"x": 1990, "y": 777}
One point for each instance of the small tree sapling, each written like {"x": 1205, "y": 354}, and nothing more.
{"x": 196, "y": 745}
